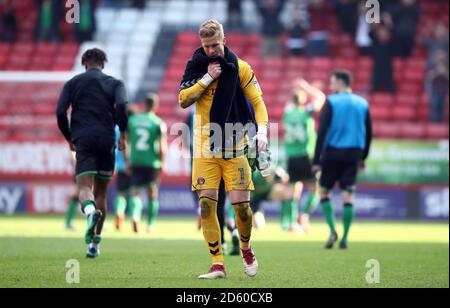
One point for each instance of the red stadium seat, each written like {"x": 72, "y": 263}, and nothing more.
{"x": 416, "y": 63}
{"x": 168, "y": 98}
{"x": 64, "y": 59}
{"x": 41, "y": 63}
{"x": 399, "y": 64}
{"x": 365, "y": 63}
{"x": 414, "y": 75}
{"x": 15, "y": 67}
{"x": 382, "y": 99}
{"x": 407, "y": 100}
{"x": 3, "y": 59}
{"x": 274, "y": 63}
{"x": 44, "y": 109}
{"x": 430, "y": 7}
{"x": 387, "y": 130}
{"x": 342, "y": 63}
{"x": 319, "y": 76}
{"x": 169, "y": 85}
{"x": 189, "y": 38}
{"x": 363, "y": 75}
{"x": 46, "y": 49}
{"x": 410, "y": 130}
{"x": 424, "y": 100}
{"x": 5, "y": 48}
{"x": 381, "y": 113}
{"x": 348, "y": 52}
{"x": 254, "y": 39}
{"x": 175, "y": 73}
{"x": 410, "y": 87}
{"x": 321, "y": 64}
{"x": 270, "y": 100}
{"x": 296, "y": 63}
{"x": 23, "y": 48}
{"x": 276, "y": 112}
{"x": 424, "y": 113}
{"x": 404, "y": 113}
{"x": 294, "y": 74}
{"x": 235, "y": 38}
{"x": 283, "y": 97}
{"x": 437, "y": 131}
{"x": 254, "y": 61}
{"x": 60, "y": 67}
{"x": 69, "y": 49}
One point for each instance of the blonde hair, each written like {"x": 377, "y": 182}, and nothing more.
{"x": 211, "y": 28}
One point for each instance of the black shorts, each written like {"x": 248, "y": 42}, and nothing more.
{"x": 144, "y": 176}
{"x": 300, "y": 169}
{"x": 95, "y": 155}
{"x": 123, "y": 182}
{"x": 345, "y": 173}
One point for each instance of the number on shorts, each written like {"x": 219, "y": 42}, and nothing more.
{"x": 242, "y": 173}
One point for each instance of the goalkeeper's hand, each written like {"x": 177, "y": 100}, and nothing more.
{"x": 261, "y": 138}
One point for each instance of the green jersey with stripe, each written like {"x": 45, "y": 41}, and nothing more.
{"x": 144, "y": 133}
{"x": 299, "y": 132}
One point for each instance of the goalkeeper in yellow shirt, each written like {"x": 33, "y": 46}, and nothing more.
{"x": 221, "y": 85}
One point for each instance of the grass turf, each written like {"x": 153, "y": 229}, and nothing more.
{"x": 34, "y": 251}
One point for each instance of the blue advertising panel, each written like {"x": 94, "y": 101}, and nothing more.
{"x": 434, "y": 203}
{"x": 12, "y": 198}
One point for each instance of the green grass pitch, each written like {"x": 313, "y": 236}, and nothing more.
{"x": 34, "y": 251}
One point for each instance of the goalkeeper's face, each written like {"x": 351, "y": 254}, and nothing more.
{"x": 214, "y": 46}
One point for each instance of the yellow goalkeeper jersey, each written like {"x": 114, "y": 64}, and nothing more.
{"x": 204, "y": 97}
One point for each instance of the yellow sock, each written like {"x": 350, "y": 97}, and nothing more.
{"x": 244, "y": 221}
{"x": 211, "y": 229}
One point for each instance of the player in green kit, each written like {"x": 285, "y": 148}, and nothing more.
{"x": 123, "y": 184}
{"x": 147, "y": 135}
{"x": 300, "y": 137}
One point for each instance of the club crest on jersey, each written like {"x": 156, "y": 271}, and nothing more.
{"x": 201, "y": 181}
{"x": 257, "y": 86}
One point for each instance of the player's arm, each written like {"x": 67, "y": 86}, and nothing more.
{"x": 325, "y": 121}
{"x": 192, "y": 91}
{"x": 312, "y": 137}
{"x": 163, "y": 144}
{"x": 253, "y": 93}
{"x": 61, "y": 113}
{"x": 188, "y": 96}
{"x": 318, "y": 96}
{"x": 121, "y": 100}
{"x": 126, "y": 154}
{"x": 368, "y": 135}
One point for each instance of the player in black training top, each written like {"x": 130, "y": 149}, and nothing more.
{"x": 99, "y": 103}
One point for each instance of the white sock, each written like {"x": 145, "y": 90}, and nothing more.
{"x": 89, "y": 209}
{"x": 93, "y": 245}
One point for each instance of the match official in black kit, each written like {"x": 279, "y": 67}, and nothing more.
{"x": 99, "y": 103}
